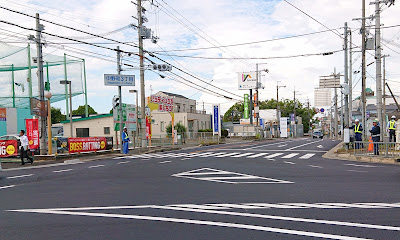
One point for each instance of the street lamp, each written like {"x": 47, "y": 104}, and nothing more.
{"x": 137, "y": 123}
{"x": 277, "y": 107}
{"x": 48, "y": 95}
{"x": 70, "y": 103}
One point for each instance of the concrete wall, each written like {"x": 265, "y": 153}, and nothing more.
{"x": 96, "y": 127}
{"x": 15, "y": 121}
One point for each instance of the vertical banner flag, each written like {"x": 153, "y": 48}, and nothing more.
{"x": 32, "y": 132}
{"x": 148, "y": 127}
{"x": 216, "y": 120}
{"x": 283, "y": 127}
{"x": 246, "y": 114}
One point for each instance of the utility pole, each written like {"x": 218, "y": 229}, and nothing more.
{"x": 350, "y": 79}
{"x": 277, "y": 107}
{"x": 39, "y": 29}
{"x": 378, "y": 58}
{"x": 384, "y": 91}
{"x": 309, "y": 115}
{"x": 120, "y": 99}
{"x": 346, "y": 79}
{"x": 363, "y": 81}
{"x": 142, "y": 86}
{"x": 336, "y": 110}
{"x": 294, "y": 112}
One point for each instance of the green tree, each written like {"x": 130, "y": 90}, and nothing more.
{"x": 180, "y": 128}
{"x": 81, "y": 110}
{"x": 56, "y": 115}
{"x": 236, "y": 108}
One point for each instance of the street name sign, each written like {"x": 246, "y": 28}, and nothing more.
{"x": 119, "y": 80}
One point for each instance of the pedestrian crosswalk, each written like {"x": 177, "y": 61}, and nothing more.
{"x": 223, "y": 154}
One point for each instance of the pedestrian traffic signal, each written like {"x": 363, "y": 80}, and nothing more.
{"x": 115, "y": 102}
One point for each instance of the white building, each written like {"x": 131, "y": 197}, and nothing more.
{"x": 322, "y": 97}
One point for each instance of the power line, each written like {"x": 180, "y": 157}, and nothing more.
{"x": 247, "y": 43}
{"x": 256, "y": 58}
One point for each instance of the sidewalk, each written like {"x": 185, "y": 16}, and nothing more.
{"x": 334, "y": 153}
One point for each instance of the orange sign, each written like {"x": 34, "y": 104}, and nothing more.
{"x": 3, "y": 114}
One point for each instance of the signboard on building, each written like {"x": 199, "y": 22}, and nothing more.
{"x": 32, "y": 132}
{"x": 329, "y": 82}
{"x": 165, "y": 104}
{"x": 246, "y": 114}
{"x": 216, "y": 120}
{"x": 3, "y": 114}
{"x": 247, "y": 80}
{"x": 119, "y": 80}
{"x": 89, "y": 144}
{"x": 8, "y": 148}
{"x": 283, "y": 127}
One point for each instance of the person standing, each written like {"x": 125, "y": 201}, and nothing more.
{"x": 391, "y": 129}
{"x": 376, "y": 136}
{"x": 126, "y": 140}
{"x": 358, "y": 132}
{"x": 24, "y": 147}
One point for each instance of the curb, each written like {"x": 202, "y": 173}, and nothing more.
{"x": 332, "y": 154}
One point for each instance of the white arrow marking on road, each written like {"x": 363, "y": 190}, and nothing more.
{"x": 199, "y": 222}
{"x": 320, "y": 146}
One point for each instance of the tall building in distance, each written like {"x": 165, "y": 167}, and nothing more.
{"x": 322, "y": 97}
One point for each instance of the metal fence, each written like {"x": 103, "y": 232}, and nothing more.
{"x": 377, "y": 149}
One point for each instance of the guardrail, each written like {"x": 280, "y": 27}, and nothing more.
{"x": 377, "y": 149}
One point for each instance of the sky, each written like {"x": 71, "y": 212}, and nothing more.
{"x": 191, "y": 24}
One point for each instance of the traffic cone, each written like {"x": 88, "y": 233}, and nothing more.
{"x": 371, "y": 145}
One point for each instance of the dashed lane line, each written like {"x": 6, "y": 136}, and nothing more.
{"x": 273, "y": 155}
{"x": 164, "y": 162}
{"x": 357, "y": 165}
{"x": 20, "y": 176}
{"x": 123, "y": 162}
{"x": 5, "y": 187}
{"x": 290, "y": 155}
{"x": 63, "y": 170}
{"x": 97, "y": 166}
{"x": 314, "y": 166}
{"x": 357, "y": 171}
{"x": 292, "y": 163}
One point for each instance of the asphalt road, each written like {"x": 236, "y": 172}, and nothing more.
{"x": 258, "y": 190}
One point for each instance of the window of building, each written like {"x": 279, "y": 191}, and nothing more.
{"x": 162, "y": 127}
{"x": 106, "y": 130}
{"x": 82, "y": 132}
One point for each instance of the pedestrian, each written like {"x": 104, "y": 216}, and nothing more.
{"x": 376, "y": 136}
{"x": 126, "y": 140}
{"x": 391, "y": 129}
{"x": 358, "y": 132}
{"x": 24, "y": 147}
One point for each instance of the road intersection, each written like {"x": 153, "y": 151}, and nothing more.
{"x": 259, "y": 190}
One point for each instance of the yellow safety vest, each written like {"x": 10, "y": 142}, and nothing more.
{"x": 391, "y": 125}
{"x": 356, "y": 129}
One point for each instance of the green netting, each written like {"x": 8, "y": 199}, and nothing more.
{"x": 19, "y": 81}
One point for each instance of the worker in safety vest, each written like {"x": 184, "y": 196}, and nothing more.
{"x": 376, "y": 135}
{"x": 358, "y": 129}
{"x": 391, "y": 129}
{"x": 125, "y": 141}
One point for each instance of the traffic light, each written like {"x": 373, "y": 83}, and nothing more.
{"x": 115, "y": 102}
{"x": 162, "y": 67}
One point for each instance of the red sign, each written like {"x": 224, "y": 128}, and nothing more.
{"x": 8, "y": 148}
{"x": 32, "y": 132}
{"x": 89, "y": 144}
{"x": 164, "y": 104}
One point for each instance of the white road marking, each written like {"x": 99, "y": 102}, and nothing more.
{"x": 257, "y": 155}
{"x": 209, "y": 174}
{"x": 64, "y": 170}
{"x": 302, "y": 145}
{"x": 314, "y": 166}
{"x": 164, "y": 162}
{"x": 96, "y": 166}
{"x": 183, "y": 159}
{"x": 293, "y": 219}
{"x": 357, "y": 171}
{"x": 123, "y": 162}
{"x": 227, "y": 155}
{"x": 5, "y": 187}
{"x": 212, "y": 154}
{"x": 290, "y": 155}
{"x": 356, "y": 165}
{"x": 307, "y": 156}
{"x": 266, "y": 145}
{"x": 20, "y": 176}
{"x": 274, "y": 155}
{"x": 320, "y": 146}
{"x": 242, "y": 155}
{"x": 199, "y": 154}
{"x": 290, "y": 163}
{"x": 198, "y": 222}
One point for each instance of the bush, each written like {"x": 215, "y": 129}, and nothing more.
{"x": 205, "y": 130}
{"x": 224, "y": 133}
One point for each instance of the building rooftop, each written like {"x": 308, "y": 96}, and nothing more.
{"x": 173, "y": 95}
{"x": 89, "y": 118}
